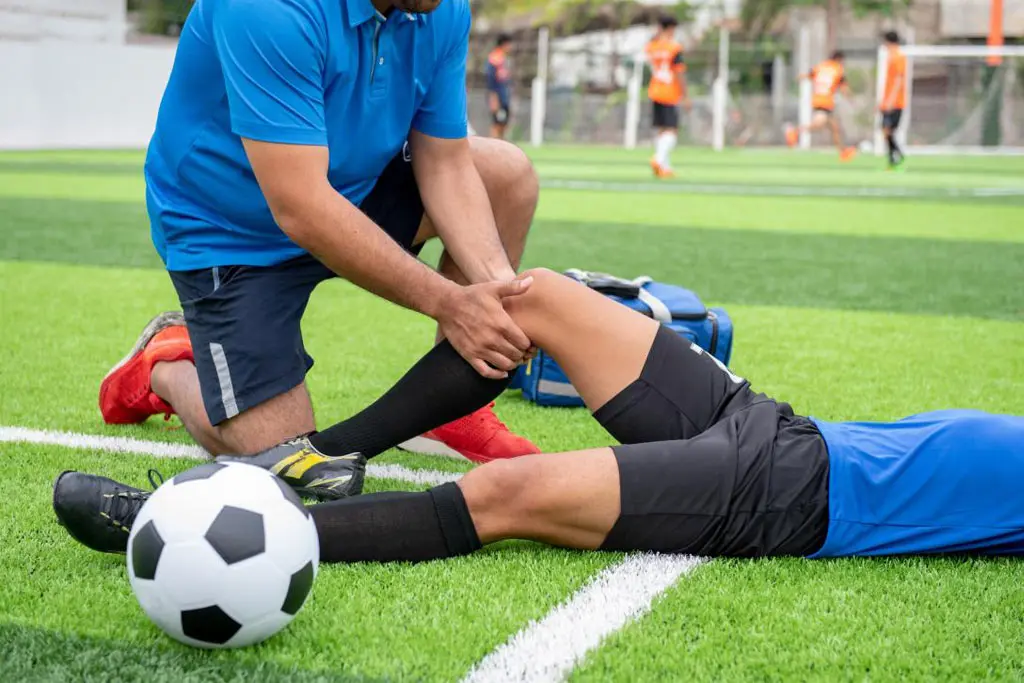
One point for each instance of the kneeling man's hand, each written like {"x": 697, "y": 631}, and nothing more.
{"x": 474, "y": 321}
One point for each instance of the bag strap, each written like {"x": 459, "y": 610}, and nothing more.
{"x": 627, "y": 289}
{"x": 659, "y": 311}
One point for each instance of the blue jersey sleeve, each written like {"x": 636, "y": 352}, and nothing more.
{"x": 272, "y": 57}
{"x": 443, "y": 111}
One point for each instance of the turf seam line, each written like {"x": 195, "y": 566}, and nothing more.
{"x": 782, "y": 190}
{"x": 157, "y": 449}
{"x": 547, "y": 650}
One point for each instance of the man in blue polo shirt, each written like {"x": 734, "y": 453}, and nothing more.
{"x": 300, "y": 140}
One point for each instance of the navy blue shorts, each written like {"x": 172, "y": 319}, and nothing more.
{"x": 244, "y": 321}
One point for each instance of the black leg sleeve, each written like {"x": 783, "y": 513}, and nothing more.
{"x": 396, "y": 526}
{"x": 440, "y": 388}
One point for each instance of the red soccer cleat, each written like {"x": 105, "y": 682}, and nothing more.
{"x": 479, "y": 437}
{"x": 847, "y": 154}
{"x": 126, "y": 395}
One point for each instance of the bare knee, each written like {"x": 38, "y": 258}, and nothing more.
{"x": 508, "y": 174}
{"x": 540, "y": 294}
{"x": 500, "y": 498}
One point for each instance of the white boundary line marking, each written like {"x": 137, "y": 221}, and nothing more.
{"x": 546, "y": 651}
{"x": 157, "y": 449}
{"x": 783, "y": 190}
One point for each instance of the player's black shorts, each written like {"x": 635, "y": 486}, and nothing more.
{"x": 244, "y": 321}
{"x": 665, "y": 115}
{"x": 708, "y": 467}
{"x": 891, "y": 118}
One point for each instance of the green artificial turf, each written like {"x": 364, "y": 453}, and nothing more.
{"x": 849, "y": 308}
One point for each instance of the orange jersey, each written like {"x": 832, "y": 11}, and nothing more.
{"x": 895, "y": 82}
{"x": 825, "y": 81}
{"x": 666, "y": 58}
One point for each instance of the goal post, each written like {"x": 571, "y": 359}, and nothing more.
{"x": 959, "y": 99}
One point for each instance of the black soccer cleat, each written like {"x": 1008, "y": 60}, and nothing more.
{"x": 308, "y": 471}
{"x": 98, "y": 512}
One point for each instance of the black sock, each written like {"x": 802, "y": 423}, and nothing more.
{"x": 440, "y": 388}
{"x": 895, "y": 154}
{"x": 396, "y": 526}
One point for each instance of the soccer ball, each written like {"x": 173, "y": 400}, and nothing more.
{"x": 222, "y": 555}
{"x": 866, "y": 146}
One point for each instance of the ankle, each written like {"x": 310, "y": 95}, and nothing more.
{"x": 162, "y": 377}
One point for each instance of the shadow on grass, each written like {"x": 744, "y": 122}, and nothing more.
{"x": 35, "y": 654}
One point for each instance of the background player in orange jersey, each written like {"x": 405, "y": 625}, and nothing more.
{"x": 499, "y": 86}
{"x": 666, "y": 91}
{"x": 827, "y": 79}
{"x": 894, "y": 97}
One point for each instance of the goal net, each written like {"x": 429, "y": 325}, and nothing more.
{"x": 960, "y": 100}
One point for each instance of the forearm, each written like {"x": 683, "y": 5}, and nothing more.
{"x": 456, "y": 200}
{"x": 346, "y": 241}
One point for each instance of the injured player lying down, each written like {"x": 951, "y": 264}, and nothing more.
{"x": 707, "y": 465}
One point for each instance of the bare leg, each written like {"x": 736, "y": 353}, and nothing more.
{"x": 564, "y": 499}
{"x": 254, "y": 430}
{"x": 837, "y": 137}
{"x": 601, "y": 344}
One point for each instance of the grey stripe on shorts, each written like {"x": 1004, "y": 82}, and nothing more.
{"x": 227, "y": 391}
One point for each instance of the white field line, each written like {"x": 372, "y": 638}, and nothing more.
{"x": 157, "y": 449}
{"x": 782, "y": 190}
{"x": 546, "y": 651}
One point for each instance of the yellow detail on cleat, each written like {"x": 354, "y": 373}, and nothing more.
{"x": 285, "y": 462}
{"x": 328, "y": 482}
{"x": 302, "y": 466}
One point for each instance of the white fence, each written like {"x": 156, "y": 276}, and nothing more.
{"x": 80, "y": 20}
{"x": 65, "y": 95}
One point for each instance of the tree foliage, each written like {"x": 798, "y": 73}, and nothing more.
{"x": 759, "y": 15}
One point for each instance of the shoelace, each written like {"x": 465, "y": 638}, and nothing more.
{"x": 123, "y": 507}
{"x": 487, "y": 416}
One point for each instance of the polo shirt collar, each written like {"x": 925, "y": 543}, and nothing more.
{"x": 360, "y": 12}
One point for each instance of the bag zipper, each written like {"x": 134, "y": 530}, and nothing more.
{"x": 714, "y": 332}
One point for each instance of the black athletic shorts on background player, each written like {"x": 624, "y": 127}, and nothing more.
{"x": 891, "y": 118}
{"x": 708, "y": 467}
{"x": 665, "y": 115}
{"x": 244, "y": 321}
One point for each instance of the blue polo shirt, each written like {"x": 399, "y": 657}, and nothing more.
{"x": 332, "y": 73}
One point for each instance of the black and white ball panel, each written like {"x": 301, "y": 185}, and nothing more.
{"x": 146, "y": 551}
{"x": 223, "y": 554}
{"x": 209, "y": 625}
{"x": 237, "y": 534}
{"x": 198, "y": 473}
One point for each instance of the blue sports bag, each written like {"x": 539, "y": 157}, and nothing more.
{"x": 678, "y": 308}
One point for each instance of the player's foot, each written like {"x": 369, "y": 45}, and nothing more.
{"x": 308, "y": 471}
{"x": 126, "y": 394}
{"x": 99, "y": 512}
{"x": 479, "y": 437}
{"x": 666, "y": 172}
{"x": 848, "y": 154}
{"x": 655, "y": 167}
{"x": 792, "y": 136}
